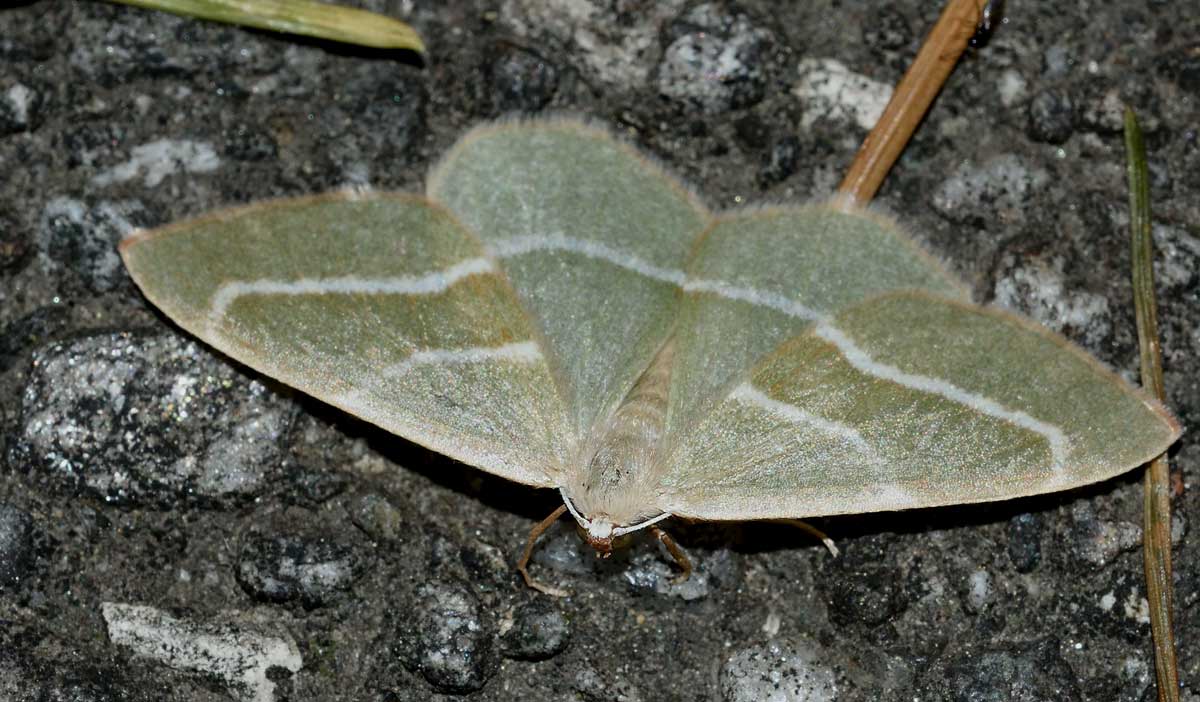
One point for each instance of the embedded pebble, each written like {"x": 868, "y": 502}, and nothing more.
{"x": 23, "y": 333}
{"x": 539, "y": 631}
{"x": 829, "y": 90}
{"x": 1011, "y": 86}
{"x": 980, "y": 591}
{"x": 1177, "y": 258}
{"x": 84, "y": 239}
{"x": 20, "y": 108}
{"x": 1099, "y": 542}
{"x": 1025, "y": 541}
{"x": 593, "y": 686}
{"x": 611, "y": 50}
{"x": 157, "y": 160}
{"x": 16, "y": 545}
{"x": 148, "y": 419}
{"x": 446, "y": 638}
{"x": 715, "y": 63}
{"x": 859, "y": 590}
{"x": 1182, "y": 66}
{"x": 520, "y": 80}
{"x": 564, "y": 552}
{"x": 246, "y": 660}
{"x": 247, "y": 142}
{"x": 1036, "y": 288}
{"x": 14, "y": 242}
{"x": 287, "y": 567}
{"x": 376, "y": 515}
{"x": 781, "y": 162}
{"x": 888, "y": 29}
{"x": 997, "y": 188}
{"x": 778, "y": 671}
{"x": 1017, "y": 672}
{"x": 1050, "y": 117}
{"x": 649, "y": 573}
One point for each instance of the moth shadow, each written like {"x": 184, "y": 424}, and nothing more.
{"x": 752, "y": 537}
{"x": 490, "y": 490}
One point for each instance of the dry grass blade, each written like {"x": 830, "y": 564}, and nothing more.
{"x": 1157, "y": 508}
{"x": 313, "y": 19}
{"x": 912, "y": 97}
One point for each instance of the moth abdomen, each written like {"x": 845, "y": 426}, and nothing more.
{"x": 623, "y": 451}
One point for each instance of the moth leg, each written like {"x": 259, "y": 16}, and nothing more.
{"x": 813, "y": 532}
{"x": 523, "y": 564}
{"x": 677, "y": 553}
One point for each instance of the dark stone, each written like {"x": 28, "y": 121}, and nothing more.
{"x": 751, "y": 131}
{"x": 539, "y": 631}
{"x": 16, "y": 545}
{"x": 313, "y": 486}
{"x": 1025, "y": 541}
{"x": 887, "y": 29}
{"x": 781, "y": 162}
{"x": 518, "y": 80}
{"x": 14, "y": 243}
{"x": 147, "y": 419}
{"x": 244, "y": 142}
{"x": 1018, "y": 672}
{"x": 446, "y": 637}
{"x": 34, "y": 329}
{"x": 1182, "y": 66}
{"x": 1051, "y": 117}
{"x": 288, "y": 567}
{"x": 84, "y": 239}
{"x": 861, "y": 588}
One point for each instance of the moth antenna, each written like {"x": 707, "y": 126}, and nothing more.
{"x": 681, "y": 558}
{"x": 812, "y": 531}
{"x": 523, "y": 564}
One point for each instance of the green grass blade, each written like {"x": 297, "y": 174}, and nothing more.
{"x": 313, "y": 19}
{"x": 1157, "y": 506}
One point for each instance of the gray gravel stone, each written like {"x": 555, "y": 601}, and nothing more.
{"x": 16, "y": 545}
{"x": 147, "y": 419}
{"x": 779, "y": 671}
{"x": 715, "y": 61}
{"x": 539, "y": 631}
{"x": 287, "y": 567}
{"x": 446, "y": 636}
{"x": 998, "y": 188}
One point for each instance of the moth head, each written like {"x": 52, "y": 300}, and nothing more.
{"x": 599, "y": 535}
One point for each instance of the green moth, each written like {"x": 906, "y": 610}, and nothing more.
{"x": 559, "y": 311}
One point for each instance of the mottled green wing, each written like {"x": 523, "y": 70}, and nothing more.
{"x": 594, "y": 238}
{"x": 383, "y": 306}
{"x": 911, "y": 400}
{"x": 763, "y": 276}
